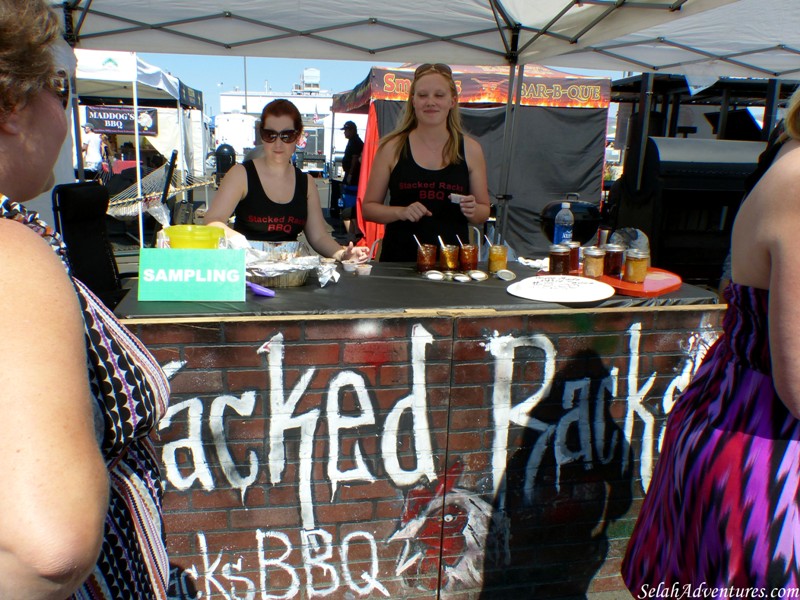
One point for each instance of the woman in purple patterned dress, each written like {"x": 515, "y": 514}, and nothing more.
{"x": 80, "y": 489}
{"x": 722, "y": 508}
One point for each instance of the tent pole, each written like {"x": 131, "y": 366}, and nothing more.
{"x": 138, "y": 156}
{"x": 331, "y": 161}
{"x": 645, "y": 105}
{"x": 722, "y": 125}
{"x": 246, "y": 107}
{"x": 76, "y": 126}
{"x": 674, "y": 113}
{"x": 183, "y": 159}
{"x": 508, "y": 140}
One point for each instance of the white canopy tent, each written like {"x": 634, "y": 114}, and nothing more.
{"x": 460, "y": 31}
{"x": 511, "y": 32}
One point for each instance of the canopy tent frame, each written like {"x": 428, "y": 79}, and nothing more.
{"x": 493, "y": 31}
{"x": 747, "y": 38}
{"x": 508, "y": 32}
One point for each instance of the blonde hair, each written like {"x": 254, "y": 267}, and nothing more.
{"x": 408, "y": 122}
{"x": 28, "y": 29}
{"x": 791, "y": 122}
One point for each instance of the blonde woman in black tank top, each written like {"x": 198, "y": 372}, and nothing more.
{"x": 272, "y": 200}
{"x": 420, "y": 163}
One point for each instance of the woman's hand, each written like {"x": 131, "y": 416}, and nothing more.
{"x": 359, "y": 254}
{"x": 468, "y": 205}
{"x": 414, "y": 212}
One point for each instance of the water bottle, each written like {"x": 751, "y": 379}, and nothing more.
{"x": 563, "y": 225}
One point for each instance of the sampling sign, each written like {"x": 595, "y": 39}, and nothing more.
{"x": 187, "y": 275}
{"x": 119, "y": 119}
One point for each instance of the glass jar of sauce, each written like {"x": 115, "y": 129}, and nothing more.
{"x": 593, "y": 261}
{"x": 448, "y": 257}
{"x": 614, "y": 260}
{"x": 574, "y": 256}
{"x": 468, "y": 257}
{"x": 636, "y": 266}
{"x": 498, "y": 258}
{"x": 426, "y": 257}
{"x": 559, "y": 259}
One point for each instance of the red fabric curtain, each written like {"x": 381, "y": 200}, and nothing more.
{"x": 372, "y": 231}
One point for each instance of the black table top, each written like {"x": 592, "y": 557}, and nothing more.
{"x": 391, "y": 288}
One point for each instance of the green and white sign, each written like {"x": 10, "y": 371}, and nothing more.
{"x": 208, "y": 275}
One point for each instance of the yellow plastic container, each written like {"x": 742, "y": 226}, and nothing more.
{"x": 194, "y": 236}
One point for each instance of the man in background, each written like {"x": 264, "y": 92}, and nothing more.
{"x": 92, "y": 151}
{"x": 351, "y": 164}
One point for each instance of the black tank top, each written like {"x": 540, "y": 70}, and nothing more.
{"x": 409, "y": 183}
{"x": 259, "y": 218}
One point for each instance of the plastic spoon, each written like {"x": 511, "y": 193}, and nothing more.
{"x": 260, "y": 290}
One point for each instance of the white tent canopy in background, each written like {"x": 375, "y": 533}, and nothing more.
{"x": 748, "y": 38}
{"x": 112, "y": 74}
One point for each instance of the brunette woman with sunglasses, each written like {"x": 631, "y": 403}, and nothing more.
{"x": 421, "y": 163}
{"x": 271, "y": 199}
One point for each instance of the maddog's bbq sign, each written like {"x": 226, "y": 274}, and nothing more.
{"x": 120, "y": 119}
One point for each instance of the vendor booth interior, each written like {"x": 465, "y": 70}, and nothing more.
{"x": 562, "y": 118}
{"x": 683, "y": 187}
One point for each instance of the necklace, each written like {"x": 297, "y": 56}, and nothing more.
{"x": 16, "y": 212}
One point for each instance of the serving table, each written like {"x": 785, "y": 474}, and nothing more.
{"x": 394, "y": 437}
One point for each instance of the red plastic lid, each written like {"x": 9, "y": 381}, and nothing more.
{"x": 657, "y": 282}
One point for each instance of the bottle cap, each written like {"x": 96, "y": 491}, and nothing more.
{"x": 565, "y": 205}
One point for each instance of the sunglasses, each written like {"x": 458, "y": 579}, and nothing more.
{"x": 287, "y": 135}
{"x": 59, "y": 85}
{"x": 438, "y": 67}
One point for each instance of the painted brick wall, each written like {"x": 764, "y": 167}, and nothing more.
{"x": 371, "y": 457}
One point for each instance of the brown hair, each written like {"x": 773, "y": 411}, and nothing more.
{"x": 282, "y": 108}
{"x": 408, "y": 122}
{"x": 28, "y": 28}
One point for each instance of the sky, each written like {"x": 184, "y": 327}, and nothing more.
{"x": 214, "y": 74}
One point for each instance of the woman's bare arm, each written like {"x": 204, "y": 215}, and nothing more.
{"x": 318, "y": 236}
{"x": 54, "y": 483}
{"x": 231, "y": 191}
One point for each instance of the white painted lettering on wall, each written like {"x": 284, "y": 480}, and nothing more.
{"x": 323, "y": 573}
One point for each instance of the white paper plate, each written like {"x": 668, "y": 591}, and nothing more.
{"x": 561, "y": 288}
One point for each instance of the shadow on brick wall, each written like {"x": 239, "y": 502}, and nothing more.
{"x": 567, "y": 481}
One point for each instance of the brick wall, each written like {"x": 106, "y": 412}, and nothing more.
{"x": 394, "y": 457}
